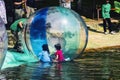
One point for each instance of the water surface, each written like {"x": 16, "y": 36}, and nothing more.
{"x": 91, "y": 66}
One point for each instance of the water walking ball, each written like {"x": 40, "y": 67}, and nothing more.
{"x": 56, "y": 25}
{"x": 3, "y": 42}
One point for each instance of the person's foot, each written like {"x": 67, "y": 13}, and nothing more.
{"x": 112, "y": 32}
{"x": 105, "y": 33}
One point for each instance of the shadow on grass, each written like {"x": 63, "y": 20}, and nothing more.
{"x": 94, "y": 30}
{"x": 115, "y": 27}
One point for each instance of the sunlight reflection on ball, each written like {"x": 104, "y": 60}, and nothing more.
{"x": 54, "y": 25}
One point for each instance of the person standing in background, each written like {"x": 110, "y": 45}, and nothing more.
{"x": 3, "y": 11}
{"x": 30, "y": 4}
{"x": 106, "y": 7}
{"x": 20, "y": 8}
{"x": 68, "y": 4}
{"x": 16, "y": 29}
{"x": 65, "y": 3}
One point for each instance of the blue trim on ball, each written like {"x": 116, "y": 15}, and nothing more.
{"x": 38, "y": 31}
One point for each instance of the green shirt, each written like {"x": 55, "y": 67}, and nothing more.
{"x": 14, "y": 26}
{"x": 117, "y": 6}
{"x": 106, "y": 10}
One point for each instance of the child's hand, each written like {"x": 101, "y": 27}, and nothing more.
{"x": 55, "y": 60}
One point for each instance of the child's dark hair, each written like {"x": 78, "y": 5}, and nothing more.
{"x": 58, "y": 46}
{"x": 45, "y": 47}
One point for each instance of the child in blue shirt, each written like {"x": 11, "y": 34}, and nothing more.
{"x": 44, "y": 56}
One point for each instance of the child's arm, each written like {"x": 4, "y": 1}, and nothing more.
{"x": 56, "y": 57}
{"x": 40, "y": 55}
{"x": 19, "y": 3}
{"x": 20, "y": 24}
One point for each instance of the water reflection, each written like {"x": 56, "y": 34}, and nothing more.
{"x": 41, "y": 71}
{"x": 92, "y": 66}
